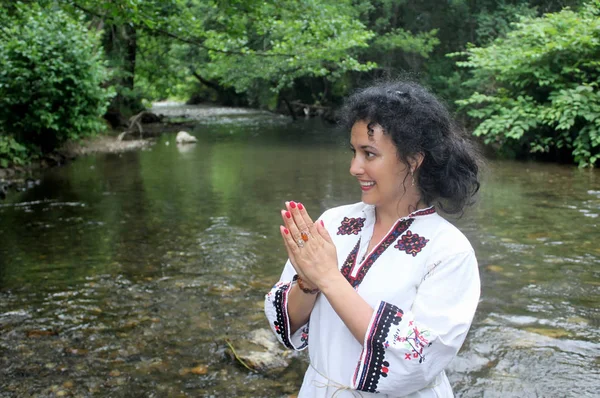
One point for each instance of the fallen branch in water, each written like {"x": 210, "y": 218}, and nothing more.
{"x": 238, "y": 358}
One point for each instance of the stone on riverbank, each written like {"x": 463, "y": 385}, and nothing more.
{"x": 185, "y": 138}
{"x": 262, "y": 352}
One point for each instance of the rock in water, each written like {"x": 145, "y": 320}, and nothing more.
{"x": 264, "y": 361}
{"x": 261, "y": 351}
{"x": 185, "y": 138}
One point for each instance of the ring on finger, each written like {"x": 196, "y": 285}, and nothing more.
{"x": 299, "y": 241}
{"x": 304, "y": 236}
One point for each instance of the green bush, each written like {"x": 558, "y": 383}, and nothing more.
{"x": 51, "y": 77}
{"x": 538, "y": 87}
{"x": 11, "y": 152}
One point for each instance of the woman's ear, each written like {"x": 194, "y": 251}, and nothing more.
{"x": 415, "y": 162}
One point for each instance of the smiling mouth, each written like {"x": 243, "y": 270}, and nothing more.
{"x": 366, "y": 185}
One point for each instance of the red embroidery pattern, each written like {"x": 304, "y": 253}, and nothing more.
{"x": 385, "y": 368}
{"x": 423, "y": 212}
{"x": 350, "y": 262}
{"x": 417, "y": 342}
{"x": 411, "y": 243}
{"x": 304, "y": 336}
{"x": 351, "y": 226}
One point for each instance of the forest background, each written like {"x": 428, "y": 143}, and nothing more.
{"x": 522, "y": 75}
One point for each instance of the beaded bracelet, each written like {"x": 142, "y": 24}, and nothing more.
{"x": 304, "y": 288}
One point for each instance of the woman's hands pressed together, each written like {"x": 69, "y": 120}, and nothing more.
{"x": 309, "y": 246}
{"x": 313, "y": 254}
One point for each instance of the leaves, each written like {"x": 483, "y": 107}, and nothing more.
{"x": 545, "y": 94}
{"x": 51, "y": 80}
{"x": 11, "y": 152}
{"x": 250, "y": 46}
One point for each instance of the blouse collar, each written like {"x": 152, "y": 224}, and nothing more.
{"x": 369, "y": 211}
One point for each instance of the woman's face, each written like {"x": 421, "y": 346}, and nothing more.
{"x": 376, "y": 166}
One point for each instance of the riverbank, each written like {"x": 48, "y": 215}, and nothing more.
{"x": 20, "y": 178}
{"x": 108, "y": 143}
{"x": 173, "y": 117}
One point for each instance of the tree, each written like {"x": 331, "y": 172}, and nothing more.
{"x": 537, "y": 89}
{"x": 51, "y": 76}
{"x": 258, "y": 48}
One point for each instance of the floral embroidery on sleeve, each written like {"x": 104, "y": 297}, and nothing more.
{"x": 411, "y": 243}
{"x": 351, "y": 226}
{"x": 390, "y": 337}
{"x": 415, "y": 341}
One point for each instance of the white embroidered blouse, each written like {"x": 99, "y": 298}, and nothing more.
{"x": 422, "y": 281}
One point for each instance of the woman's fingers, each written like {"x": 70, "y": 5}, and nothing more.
{"x": 304, "y": 214}
{"x": 323, "y": 231}
{"x": 289, "y": 243}
{"x": 303, "y": 221}
{"x": 292, "y": 249}
{"x": 294, "y": 233}
{"x": 294, "y": 209}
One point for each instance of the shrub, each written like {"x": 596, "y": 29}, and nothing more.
{"x": 538, "y": 87}
{"x": 11, "y": 152}
{"x": 51, "y": 76}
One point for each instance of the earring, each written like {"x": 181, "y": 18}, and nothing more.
{"x": 412, "y": 178}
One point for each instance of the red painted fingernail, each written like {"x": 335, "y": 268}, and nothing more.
{"x": 322, "y": 224}
{"x": 293, "y": 204}
{"x": 288, "y": 214}
{"x": 300, "y": 206}
{"x": 286, "y": 231}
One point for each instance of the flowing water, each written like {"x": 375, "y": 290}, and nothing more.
{"x": 125, "y": 275}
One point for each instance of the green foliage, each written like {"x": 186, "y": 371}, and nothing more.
{"x": 50, "y": 79}
{"x": 257, "y": 48}
{"x": 537, "y": 88}
{"x": 162, "y": 69}
{"x": 422, "y": 43}
{"x": 492, "y": 24}
{"x": 541, "y": 97}
{"x": 399, "y": 44}
{"x": 11, "y": 152}
{"x": 278, "y": 43}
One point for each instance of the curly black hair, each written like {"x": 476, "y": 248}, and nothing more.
{"x": 419, "y": 123}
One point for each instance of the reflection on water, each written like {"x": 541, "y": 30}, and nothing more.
{"x": 123, "y": 275}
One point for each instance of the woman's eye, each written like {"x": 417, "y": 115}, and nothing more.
{"x": 370, "y": 154}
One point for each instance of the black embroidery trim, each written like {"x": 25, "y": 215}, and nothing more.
{"x": 375, "y": 364}
{"x": 281, "y": 324}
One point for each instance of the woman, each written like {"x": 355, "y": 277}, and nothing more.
{"x": 383, "y": 291}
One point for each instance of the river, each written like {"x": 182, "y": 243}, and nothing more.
{"x": 122, "y": 275}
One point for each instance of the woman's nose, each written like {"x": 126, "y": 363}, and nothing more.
{"x": 356, "y": 168}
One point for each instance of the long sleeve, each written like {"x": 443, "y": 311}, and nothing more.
{"x": 405, "y": 349}
{"x": 276, "y": 310}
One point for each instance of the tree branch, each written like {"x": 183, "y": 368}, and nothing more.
{"x": 207, "y": 83}
{"x": 193, "y": 41}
